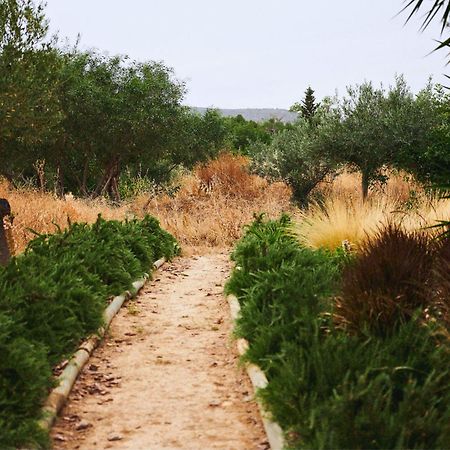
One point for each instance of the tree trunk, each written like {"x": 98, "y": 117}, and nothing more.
{"x": 5, "y": 210}
{"x": 365, "y": 183}
{"x": 109, "y": 182}
{"x": 83, "y": 186}
{"x": 59, "y": 182}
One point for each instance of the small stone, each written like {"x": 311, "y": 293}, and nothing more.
{"x": 214, "y": 403}
{"x": 82, "y": 425}
{"x": 60, "y": 437}
{"x": 115, "y": 437}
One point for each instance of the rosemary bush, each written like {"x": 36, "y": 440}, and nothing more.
{"x": 52, "y": 297}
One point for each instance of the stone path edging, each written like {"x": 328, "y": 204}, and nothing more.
{"x": 258, "y": 378}
{"x": 58, "y": 396}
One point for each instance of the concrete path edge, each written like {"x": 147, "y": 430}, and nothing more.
{"x": 259, "y": 381}
{"x": 58, "y": 396}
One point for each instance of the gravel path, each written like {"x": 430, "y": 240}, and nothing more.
{"x": 167, "y": 376}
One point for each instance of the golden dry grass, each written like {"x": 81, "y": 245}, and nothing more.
{"x": 41, "y": 212}
{"x": 343, "y": 216}
{"x": 214, "y": 203}
{"x": 208, "y": 211}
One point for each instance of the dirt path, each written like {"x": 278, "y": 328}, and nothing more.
{"x": 167, "y": 377}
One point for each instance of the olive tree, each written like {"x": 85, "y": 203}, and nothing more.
{"x": 29, "y": 110}
{"x": 300, "y": 155}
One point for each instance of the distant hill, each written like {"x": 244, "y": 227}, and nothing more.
{"x": 256, "y": 114}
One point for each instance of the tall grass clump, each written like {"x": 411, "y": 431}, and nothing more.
{"x": 342, "y": 215}
{"x": 388, "y": 281}
{"x": 51, "y": 297}
{"x": 37, "y": 211}
{"x": 329, "y": 386}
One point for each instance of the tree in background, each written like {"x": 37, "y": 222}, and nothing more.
{"x": 202, "y": 136}
{"x": 378, "y": 127}
{"x": 29, "y": 107}
{"x": 430, "y": 164}
{"x": 299, "y": 154}
{"x": 308, "y": 106}
{"x": 116, "y": 114}
{"x": 243, "y": 134}
{"x": 368, "y": 130}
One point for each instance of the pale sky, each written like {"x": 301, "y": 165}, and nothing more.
{"x": 258, "y": 53}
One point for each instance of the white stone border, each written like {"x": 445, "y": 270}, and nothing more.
{"x": 58, "y": 396}
{"x": 258, "y": 378}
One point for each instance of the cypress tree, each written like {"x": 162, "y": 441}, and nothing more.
{"x": 308, "y": 106}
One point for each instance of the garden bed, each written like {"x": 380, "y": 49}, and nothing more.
{"x": 52, "y": 297}
{"x": 337, "y": 380}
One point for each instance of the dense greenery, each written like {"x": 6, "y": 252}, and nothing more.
{"x": 76, "y": 120}
{"x": 329, "y": 387}
{"x": 299, "y": 155}
{"x": 242, "y": 134}
{"x": 368, "y": 130}
{"x": 91, "y": 124}
{"x": 53, "y": 296}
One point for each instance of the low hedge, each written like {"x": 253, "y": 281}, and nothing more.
{"x": 328, "y": 387}
{"x": 52, "y": 297}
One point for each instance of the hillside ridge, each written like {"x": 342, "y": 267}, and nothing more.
{"x": 256, "y": 114}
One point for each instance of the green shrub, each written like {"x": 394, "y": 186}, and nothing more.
{"x": 329, "y": 388}
{"x": 52, "y": 297}
{"x": 25, "y": 377}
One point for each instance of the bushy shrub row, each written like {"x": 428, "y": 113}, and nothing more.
{"x": 52, "y": 297}
{"x": 328, "y": 386}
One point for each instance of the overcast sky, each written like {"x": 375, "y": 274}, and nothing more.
{"x": 258, "y": 53}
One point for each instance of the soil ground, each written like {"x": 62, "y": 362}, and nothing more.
{"x": 167, "y": 376}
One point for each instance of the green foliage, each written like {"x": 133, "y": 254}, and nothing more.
{"x": 308, "y": 106}
{"x": 25, "y": 377}
{"x": 243, "y": 134}
{"x": 87, "y": 116}
{"x": 329, "y": 388}
{"x": 368, "y": 130}
{"x": 431, "y": 163}
{"x": 29, "y": 112}
{"x": 53, "y": 296}
{"x": 203, "y": 137}
{"x": 378, "y": 127}
{"x": 299, "y": 156}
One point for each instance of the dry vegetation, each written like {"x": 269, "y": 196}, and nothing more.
{"x": 215, "y": 202}
{"x": 42, "y": 212}
{"x": 208, "y": 211}
{"x": 343, "y": 216}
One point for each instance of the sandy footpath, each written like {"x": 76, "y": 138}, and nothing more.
{"x": 167, "y": 376}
